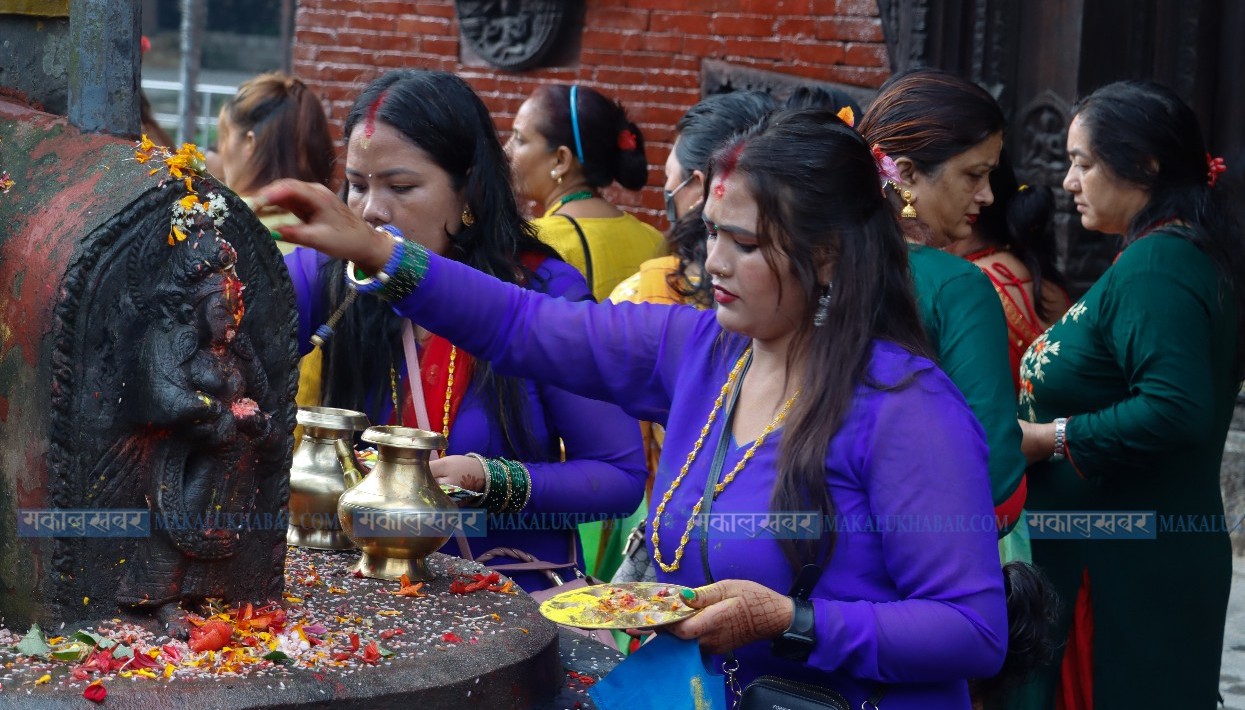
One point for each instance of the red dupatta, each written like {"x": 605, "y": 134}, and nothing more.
{"x": 438, "y": 359}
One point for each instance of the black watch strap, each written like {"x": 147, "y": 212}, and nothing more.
{"x": 796, "y": 643}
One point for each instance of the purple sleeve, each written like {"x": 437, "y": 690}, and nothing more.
{"x": 604, "y": 471}
{"x": 629, "y": 354}
{"x": 925, "y": 468}
{"x": 304, "y": 265}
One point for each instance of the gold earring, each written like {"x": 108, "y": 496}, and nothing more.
{"x": 468, "y": 218}
{"x": 908, "y": 211}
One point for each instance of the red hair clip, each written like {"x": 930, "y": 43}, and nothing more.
{"x": 1214, "y": 167}
{"x": 626, "y": 140}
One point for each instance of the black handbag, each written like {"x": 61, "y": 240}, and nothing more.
{"x": 773, "y": 693}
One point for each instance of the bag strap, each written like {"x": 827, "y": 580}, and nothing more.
{"x": 583, "y": 242}
{"x": 809, "y": 575}
{"x": 715, "y": 469}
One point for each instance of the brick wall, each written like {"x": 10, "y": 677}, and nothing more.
{"x": 646, "y": 53}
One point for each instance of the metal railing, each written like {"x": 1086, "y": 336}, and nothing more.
{"x": 205, "y": 122}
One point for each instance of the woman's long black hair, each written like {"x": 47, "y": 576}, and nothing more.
{"x": 819, "y": 202}
{"x": 1020, "y": 220}
{"x": 701, "y": 131}
{"x": 1149, "y": 137}
{"x": 439, "y": 113}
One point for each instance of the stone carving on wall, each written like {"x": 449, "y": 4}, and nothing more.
{"x": 1043, "y": 144}
{"x": 718, "y": 77}
{"x": 904, "y": 26}
{"x": 512, "y": 34}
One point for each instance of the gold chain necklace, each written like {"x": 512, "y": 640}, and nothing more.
{"x": 719, "y": 487}
{"x": 449, "y": 394}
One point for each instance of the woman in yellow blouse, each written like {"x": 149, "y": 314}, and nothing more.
{"x": 566, "y": 144}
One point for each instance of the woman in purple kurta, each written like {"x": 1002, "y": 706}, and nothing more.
{"x": 423, "y": 157}
{"x": 911, "y": 597}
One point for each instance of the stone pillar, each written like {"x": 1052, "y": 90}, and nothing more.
{"x": 104, "y": 65}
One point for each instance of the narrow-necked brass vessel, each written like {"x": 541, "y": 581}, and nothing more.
{"x": 324, "y": 467}
{"x": 398, "y": 515}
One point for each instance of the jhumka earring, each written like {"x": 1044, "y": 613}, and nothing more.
{"x": 468, "y": 218}
{"x": 823, "y": 306}
{"x": 908, "y": 211}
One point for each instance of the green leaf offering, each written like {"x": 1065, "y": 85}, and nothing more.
{"x": 122, "y": 651}
{"x": 70, "y": 652}
{"x": 276, "y": 657}
{"x": 94, "y": 640}
{"x": 34, "y": 643}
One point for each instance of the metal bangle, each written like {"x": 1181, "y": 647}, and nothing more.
{"x": 377, "y": 283}
{"x": 487, "y": 479}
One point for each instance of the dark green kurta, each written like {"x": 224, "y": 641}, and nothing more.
{"x": 968, "y": 332}
{"x": 1143, "y": 366}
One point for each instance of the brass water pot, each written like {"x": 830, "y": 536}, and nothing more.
{"x": 324, "y": 467}
{"x": 398, "y": 515}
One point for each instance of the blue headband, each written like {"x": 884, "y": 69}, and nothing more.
{"x": 579, "y": 146}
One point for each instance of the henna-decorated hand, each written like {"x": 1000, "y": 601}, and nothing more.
{"x": 461, "y": 471}
{"x": 735, "y": 613}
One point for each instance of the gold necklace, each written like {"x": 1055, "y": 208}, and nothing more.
{"x": 719, "y": 487}
{"x": 449, "y": 392}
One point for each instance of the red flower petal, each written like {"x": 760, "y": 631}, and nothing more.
{"x": 95, "y": 692}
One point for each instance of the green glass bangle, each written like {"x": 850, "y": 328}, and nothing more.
{"x": 522, "y": 481}
{"x": 411, "y": 270}
{"x": 497, "y": 486}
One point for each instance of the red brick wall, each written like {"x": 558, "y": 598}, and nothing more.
{"x": 646, "y": 53}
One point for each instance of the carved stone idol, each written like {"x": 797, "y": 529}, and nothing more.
{"x": 149, "y": 368}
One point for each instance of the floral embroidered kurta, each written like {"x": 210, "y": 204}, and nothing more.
{"x": 913, "y": 595}
{"x": 1144, "y": 367}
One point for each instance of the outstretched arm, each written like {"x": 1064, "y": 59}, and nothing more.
{"x": 629, "y": 354}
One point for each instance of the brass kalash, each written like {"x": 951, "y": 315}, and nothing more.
{"x": 398, "y": 515}
{"x": 324, "y": 468}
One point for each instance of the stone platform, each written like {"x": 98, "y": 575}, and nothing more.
{"x": 482, "y": 650}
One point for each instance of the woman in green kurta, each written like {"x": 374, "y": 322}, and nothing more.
{"x": 1125, "y": 403}
{"x": 943, "y": 135}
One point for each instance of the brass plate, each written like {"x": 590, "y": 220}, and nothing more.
{"x": 628, "y": 605}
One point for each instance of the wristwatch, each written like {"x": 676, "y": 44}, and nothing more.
{"x": 796, "y": 643}
{"x": 1061, "y": 440}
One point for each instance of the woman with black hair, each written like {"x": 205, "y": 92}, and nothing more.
{"x": 679, "y": 277}
{"x": 1014, "y": 245}
{"x": 566, "y": 144}
{"x": 942, "y": 134}
{"x": 808, "y": 379}
{"x": 423, "y": 160}
{"x": 1125, "y": 405}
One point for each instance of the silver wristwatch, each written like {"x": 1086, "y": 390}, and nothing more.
{"x": 1061, "y": 440}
